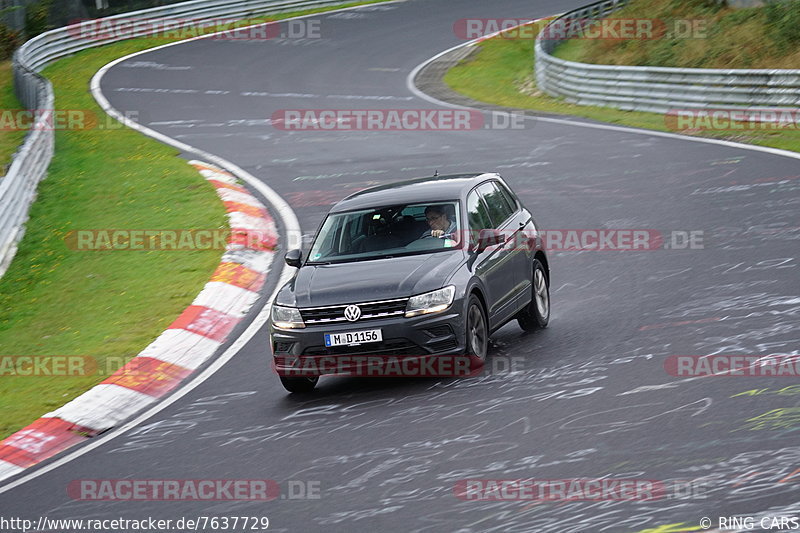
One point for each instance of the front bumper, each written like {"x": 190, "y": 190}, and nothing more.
{"x": 404, "y": 339}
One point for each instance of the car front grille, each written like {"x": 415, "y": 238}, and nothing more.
{"x": 369, "y": 311}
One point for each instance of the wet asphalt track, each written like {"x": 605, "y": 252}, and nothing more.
{"x": 573, "y": 401}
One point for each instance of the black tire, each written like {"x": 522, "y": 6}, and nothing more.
{"x": 299, "y": 384}
{"x": 477, "y": 332}
{"x": 537, "y": 313}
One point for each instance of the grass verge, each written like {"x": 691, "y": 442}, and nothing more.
{"x": 55, "y": 301}
{"x": 501, "y": 71}
{"x": 699, "y": 34}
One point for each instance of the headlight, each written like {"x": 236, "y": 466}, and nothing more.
{"x": 287, "y": 317}
{"x": 430, "y": 302}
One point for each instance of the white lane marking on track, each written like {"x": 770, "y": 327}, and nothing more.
{"x": 155, "y": 90}
{"x": 154, "y": 65}
{"x": 163, "y": 90}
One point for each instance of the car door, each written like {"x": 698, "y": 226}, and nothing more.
{"x": 503, "y": 215}
{"x": 519, "y": 227}
{"x": 490, "y": 264}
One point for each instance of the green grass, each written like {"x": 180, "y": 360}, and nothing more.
{"x": 10, "y": 140}
{"x": 55, "y": 301}
{"x": 767, "y": 37}
{"x": 501, "y": 70}
{"x": 572, "y": 50}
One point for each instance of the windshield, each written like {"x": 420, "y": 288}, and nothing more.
{"x": 387, "y": 232}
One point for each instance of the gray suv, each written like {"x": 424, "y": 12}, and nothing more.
{"x": 417, "y": 270}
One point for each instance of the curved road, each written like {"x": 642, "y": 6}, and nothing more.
{"x": 587, "y": 398}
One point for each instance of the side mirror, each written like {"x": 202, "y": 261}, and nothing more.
{"x": 488, "y": 238}
{"x": 294, "y": 258}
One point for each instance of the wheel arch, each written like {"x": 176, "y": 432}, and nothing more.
{"x": 476, "y": 290}
{"x": 540, "y": 255}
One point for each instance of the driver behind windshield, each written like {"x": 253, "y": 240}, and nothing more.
{"x": 439, "y": 223}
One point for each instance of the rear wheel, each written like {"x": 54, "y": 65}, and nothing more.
{"x": 537, "y": 314}
{"x": 477, "y": 332}
{"x": 299, "y": 384}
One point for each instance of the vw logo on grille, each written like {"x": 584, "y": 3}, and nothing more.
{"x": 352, "y": 313}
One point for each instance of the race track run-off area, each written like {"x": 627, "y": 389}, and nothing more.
{"x": 591, "y": 397}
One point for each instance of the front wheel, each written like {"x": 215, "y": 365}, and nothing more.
{"x": 299, "y": 384}
{"x": 537, "y": 314}
{"x": 477, "y": 332}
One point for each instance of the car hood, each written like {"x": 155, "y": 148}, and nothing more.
{"x": 365, "y": 281}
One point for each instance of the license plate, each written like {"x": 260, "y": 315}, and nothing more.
{"x": 353, "y": 337}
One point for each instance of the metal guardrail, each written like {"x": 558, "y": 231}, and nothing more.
{"x": 654, "y": 89}
{"x": 29, "y": 165}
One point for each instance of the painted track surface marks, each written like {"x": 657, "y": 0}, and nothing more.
{"x": 587, "y": 398}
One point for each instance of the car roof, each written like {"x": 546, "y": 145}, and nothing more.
{"x": 430, "y": 189}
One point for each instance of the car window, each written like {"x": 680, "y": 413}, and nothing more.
{"x": 496, "y": 202}
{"x": 510, "y": 199}
{"x": 387, "y": 231}
{"x": 477, "y": 213}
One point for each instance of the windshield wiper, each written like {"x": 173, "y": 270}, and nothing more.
{"x": 351, "y": 260}
{"x": 371, "y": 258}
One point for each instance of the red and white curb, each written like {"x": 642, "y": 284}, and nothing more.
{"x": 191, "y": 340}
